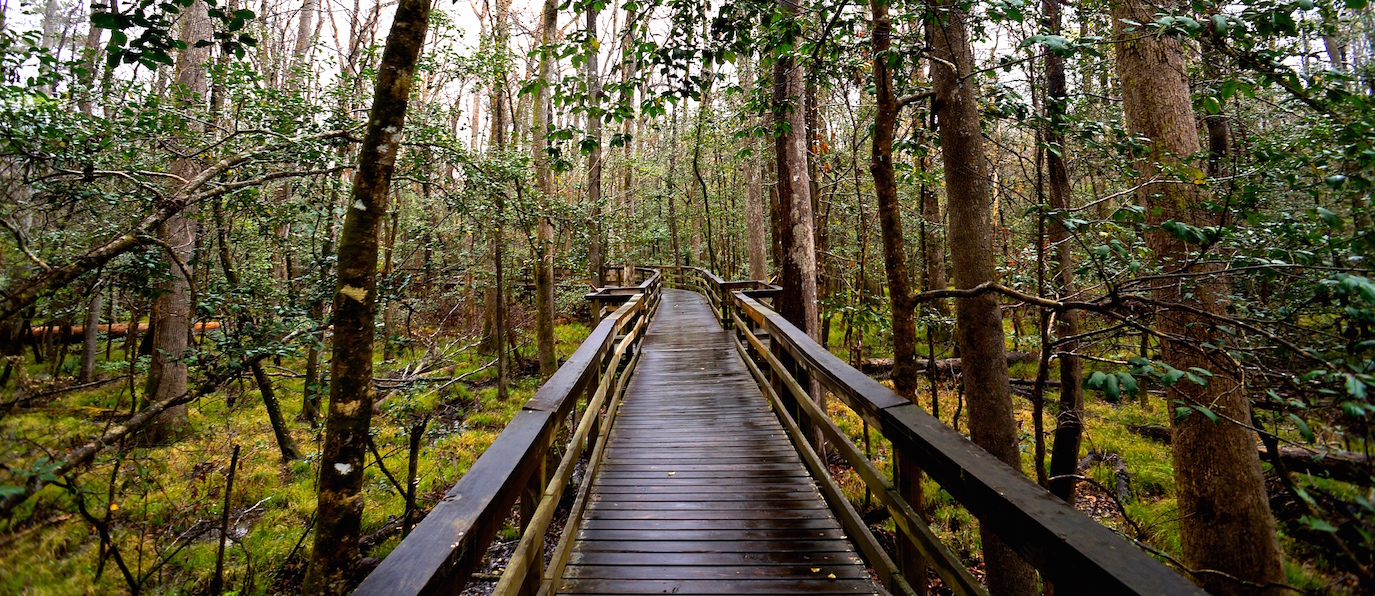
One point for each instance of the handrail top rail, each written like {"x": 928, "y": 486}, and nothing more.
{"x": 1067, "y": 546}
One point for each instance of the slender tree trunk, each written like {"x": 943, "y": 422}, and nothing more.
{"x": 905, "y": 374}
{"x": 167, "y": 371}
{"x": 978, "y": 320}
{"x": 340, "y": 508}
{"x": 285, "y": 443}
{"x": 596, "y": 258}
{"x": 672, "y": 190}
{"x": 755, "y": 210}
{"x": 1225, "y": 519}
{"x": 1064, "y": 457}
{"x": 544, "y": 249}
{"x": 501, "y": 110}
{"x": 90, "y": 336}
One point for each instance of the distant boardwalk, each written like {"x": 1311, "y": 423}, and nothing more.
{"x": 700, "y": 491}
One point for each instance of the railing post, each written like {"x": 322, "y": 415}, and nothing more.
{"x": 907, "y": 479}
{"x": 530, "y": 498}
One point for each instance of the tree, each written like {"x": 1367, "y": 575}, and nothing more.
{"x": 1225, "y": 519}
{"x": 978, "y": 320}
{"x": 340, "y": 506}
{"x": 1064, "y": 459}
{"x": 171, "y": 325}
{"x": 596, "y": 248}
{"x": 544, "y": 238}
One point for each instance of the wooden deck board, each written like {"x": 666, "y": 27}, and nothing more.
{"x": 700, "y": 491}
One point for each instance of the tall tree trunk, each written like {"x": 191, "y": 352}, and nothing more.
{"x": 797, "y": 271}
{"x": 1225, "y": 519}
{"x": 596, "y": 253}
{"x": 501, "y": 111}
{"x": 672, "y": 190}
{"x": 1064, "y": 457}
{"x": 890, "y": 209}
{"x": 797, "y": 302}
{"x": 339, "y": 511}
{"x": 905, "y": 374}
{"x": 167, "y": 371}
{"x": 978, "y": 320}
{"x": 544, "y": 243}
{"x": 755, "y": 212}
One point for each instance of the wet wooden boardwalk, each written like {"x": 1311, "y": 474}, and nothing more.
{"x": 700, "y": 491}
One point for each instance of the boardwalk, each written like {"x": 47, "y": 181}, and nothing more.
{"x": 700, "y": 491}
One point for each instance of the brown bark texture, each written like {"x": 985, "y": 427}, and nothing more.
{"x": 1064, "y": 454}
{"x": 1225, "y": 519}
{"x": 166, "y": 371}
{"x": 596, "y": 258}
{"x": 544, "y": 234}
{"x": 797, "y": 241}
{"x": 340, "y": 501}
{"x": 978, "y": 320}
{"x": 905, "y": 373}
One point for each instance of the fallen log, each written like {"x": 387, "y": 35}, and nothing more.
{"x": 75, "y": 333}
{"x": 1345, "y": 466}
{"x": 945, "y": 366}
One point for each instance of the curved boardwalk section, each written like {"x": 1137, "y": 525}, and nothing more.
{"x": 700, "y": 491}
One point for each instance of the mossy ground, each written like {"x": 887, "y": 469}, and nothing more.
{"x": 168, "y": 499}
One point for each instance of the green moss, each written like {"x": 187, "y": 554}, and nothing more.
{"x": 172, "y": 496}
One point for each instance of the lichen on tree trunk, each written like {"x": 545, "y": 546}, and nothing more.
{"x": 340, "y": 500}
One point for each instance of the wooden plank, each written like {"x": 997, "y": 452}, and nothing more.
{"x": 721, "y": 586}
{"x": 712, "y": 546}
{"x": 717, "y": 559}
{"x": 702, "y": 572}
{"x": 700, "y": 489}
{"x": 713, "y": 535}
{"x": 700, "y": 524}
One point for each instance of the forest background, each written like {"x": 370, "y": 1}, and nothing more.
{"x": 1124, "y": 246}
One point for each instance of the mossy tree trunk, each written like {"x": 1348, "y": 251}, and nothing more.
{"x": 340, "y": 500}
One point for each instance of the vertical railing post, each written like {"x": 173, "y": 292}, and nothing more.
{"x": 530, "y": 498}
{"x": 907, "y": 479}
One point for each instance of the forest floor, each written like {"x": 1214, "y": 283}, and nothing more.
{"x": 165, "y": 506}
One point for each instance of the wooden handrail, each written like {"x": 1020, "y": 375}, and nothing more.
{"x": 1074, "y": 552}
{"x": 443, "y": 551}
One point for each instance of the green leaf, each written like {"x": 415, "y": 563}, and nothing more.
{"x": 1317, "y": 524}
{"x": 1111, "y": 389}
{"x": 1212, "y": 105}
{"x": 1302, "y": 427}
{"x": 1128, "y": 383}
{"x": 1171, "y": 376}
{"x": 6, "y": 491}
{"x": 1182, "y": 412}
{"x": 1355, "y": 387}
{"x": 1209, "y": 414}
{"x": 1095, "y": 380}
{"x": 1356, "y": 4}
{"x": 1332, "y": 220}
